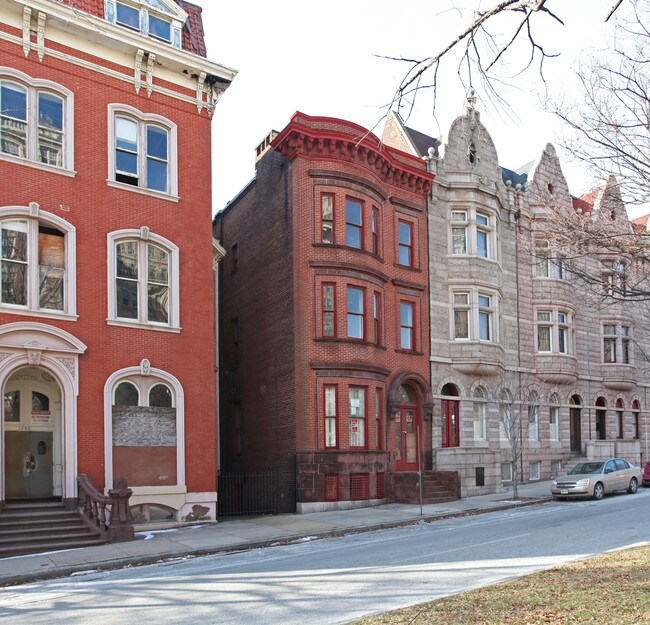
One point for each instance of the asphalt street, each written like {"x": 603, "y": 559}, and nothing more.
{"x": 336, "y": 580}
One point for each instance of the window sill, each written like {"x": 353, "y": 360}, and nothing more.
{"x": 338, "y": 246}
{"x": 142, "y": 326}
{"x": 46, "y": 314}
{"x": 61, "y": 171}
{"x": 407, "y": 268}
{"x": 142, "y": 191}
{"x": 400, "y": 350}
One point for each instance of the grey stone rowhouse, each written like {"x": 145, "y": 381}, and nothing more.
{"x": 507, "y": 324}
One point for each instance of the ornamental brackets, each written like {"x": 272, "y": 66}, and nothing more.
{"x": 141, "y": 69}
{"x": 27, "y": 20}
{"x": 200, "y": 91}
{"x": 40, "y": 36}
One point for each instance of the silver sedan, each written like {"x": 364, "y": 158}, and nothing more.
{"x": 594, "y": 478}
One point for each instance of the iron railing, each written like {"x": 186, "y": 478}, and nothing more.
{"x": 247, "y": 494}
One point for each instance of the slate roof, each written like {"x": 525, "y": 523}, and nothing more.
{"x": 422, "y": 142}
{"x": 514, "y": 177}
{"x": 193, "y": 35}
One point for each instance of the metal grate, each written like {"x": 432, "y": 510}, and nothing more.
{"x": 242, "y": 494}
{"x": 359, "y": 485}
{"x": 380, "y": 485}
{"x": 331, "y": 488}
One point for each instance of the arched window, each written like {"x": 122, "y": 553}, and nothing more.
{"x": 36, "y": 121}
{"x": 450, "y": 416}
{"x": 143, "y": 279}
{"x": 480, "y": 413}
{"x": 533, "y": 416}
{"x": 554, "y": 417}
{"x": 619, "y": 419}
{"x": 405, "y": 395}
{"x": 37, "y": 255}
{"x": 144, "y": 431}
{"x": 636, "y": 409}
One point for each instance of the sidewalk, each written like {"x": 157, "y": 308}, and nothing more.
{"x": 231, "y": 534}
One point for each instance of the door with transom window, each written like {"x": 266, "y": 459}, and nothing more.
{"x": 407, "y": 429}
{"x": 450, "y": 417}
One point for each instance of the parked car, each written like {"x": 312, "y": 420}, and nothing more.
{"x": 594, "y": 478}
{"x": 646, "y": 475}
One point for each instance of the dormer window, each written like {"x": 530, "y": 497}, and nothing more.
{"x": 147, "y": 17}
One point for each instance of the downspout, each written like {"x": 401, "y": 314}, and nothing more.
{"x": 517, "y": 215}
{"x": 588, "y": 354}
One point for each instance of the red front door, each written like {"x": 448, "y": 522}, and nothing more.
{"x": 406, "y": 437}
{"x": 450, "y": 423}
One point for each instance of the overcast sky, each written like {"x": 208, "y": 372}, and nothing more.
{"x": 322, "y": 59}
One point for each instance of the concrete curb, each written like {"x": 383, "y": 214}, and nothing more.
{"x": 132, "y": 561}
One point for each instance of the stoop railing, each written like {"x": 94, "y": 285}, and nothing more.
{"x": 110, "y": 514}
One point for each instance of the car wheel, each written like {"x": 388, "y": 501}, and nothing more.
{"x": 634, "y": 485}
{"x": 599, "y": 491}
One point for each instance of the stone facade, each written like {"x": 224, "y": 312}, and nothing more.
{"x": 502, "y": 320}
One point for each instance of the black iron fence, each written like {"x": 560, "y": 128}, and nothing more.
{"x": 244, "y": 494}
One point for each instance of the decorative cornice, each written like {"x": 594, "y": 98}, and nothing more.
{"x": 364, "y": 150}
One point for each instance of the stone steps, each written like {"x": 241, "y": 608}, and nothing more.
{"x": 39, "y": 527}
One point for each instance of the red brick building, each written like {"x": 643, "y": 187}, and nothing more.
{"x": 107, "y": 335}
{"x": 324, "y": 318}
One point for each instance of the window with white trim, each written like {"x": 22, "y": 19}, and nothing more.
{"x": 151, "y": 19}
{"x": 614, "y": 277}
{"x": 143, "y": 279}
{"x": 357, "y": 396}
{"x": 473, "y": 232}
{"x": 36, "y": 121}
{"x": 554, "y": 417}
{"x": 534, "y": 470}
{"x": 480, "y": 414}
{"x": 330, "y": 415}
{"x": 554, "y": 331}
{"x": 37, "y": 258}
{"x": 144, "y": 426}
{"x": 533, "y": 417}
{"x": 142, "y": 151}
{"x": 617, "y": 344}
{"x": 548, "y": 263}
{"x": 474, "y": 314}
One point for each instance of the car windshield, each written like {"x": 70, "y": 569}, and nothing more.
{"x": 586, "y": 467}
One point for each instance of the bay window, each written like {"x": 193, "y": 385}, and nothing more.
{"x": 616, "y": 343}
{"x": 330, "y": 416}
{"x": 553, "y": 331}
{"x": 473, "y": 232}
{"x": 474, "y": 314}
{"x": 354, "y": 223}
{"x": 356, "y": 315}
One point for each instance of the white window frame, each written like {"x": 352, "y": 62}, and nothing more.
{"x": 614, "y": 273}
{"x": 621, "y": 335}
{"x": 143, "y": 120}
{"x": 465, "y": 225}
{"x": 34, "y": 215}
{"x": 480, "y": 414}
{"x": 144, "y": 236}
{"x": 33, "y": 87}
{"x": 534, "y": 470}
{"x": 533, "y": 416}
{"x": 175, "y": 16}
{"x": 548, "y": 264}
{"x": 555, "y": 325}
{"x": 143, "y": 378}
{"x": 474, "y": 308}
{"x": 554, "y": 418}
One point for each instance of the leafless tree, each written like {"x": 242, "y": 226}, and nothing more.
{"x": 609, "y": 108}
{"x": 505, "y": 34}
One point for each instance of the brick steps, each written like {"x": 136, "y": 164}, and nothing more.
{"x": 406, "y": 489}
{"x": 43, "y": 526}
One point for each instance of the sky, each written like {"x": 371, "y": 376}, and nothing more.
{"x": 325, "y": 59}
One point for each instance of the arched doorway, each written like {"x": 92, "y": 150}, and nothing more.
{"x": 575, "y": 423}
{"x": 407, "y": 429}
{"x": 450, "y": 417}
{"x": 601, "y": 419}
{"x": 32, "y": 434}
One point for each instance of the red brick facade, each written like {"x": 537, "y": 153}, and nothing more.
{"x": 80, "y": 193}
{"x": 329, "y": 300}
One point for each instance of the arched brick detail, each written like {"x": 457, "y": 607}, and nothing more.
{"x": 415, "y": 379}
